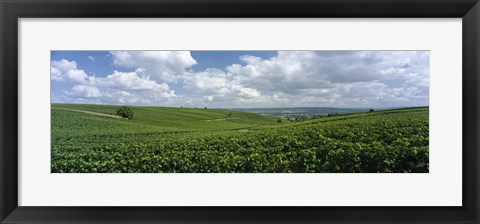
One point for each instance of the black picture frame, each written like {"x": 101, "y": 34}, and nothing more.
{"x": 12, "y": 10}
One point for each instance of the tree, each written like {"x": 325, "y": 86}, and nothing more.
{"x": 279, "y": 120}
{"x": 125, "y": 112}
{"x": 371, "y": 110}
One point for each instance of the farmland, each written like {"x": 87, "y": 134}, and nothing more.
{"x": 203, "y": 140}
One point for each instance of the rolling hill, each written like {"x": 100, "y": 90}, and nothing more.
{"x": 189, "y": 140}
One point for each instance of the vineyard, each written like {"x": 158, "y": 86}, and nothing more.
{"x": 189, "y": 140}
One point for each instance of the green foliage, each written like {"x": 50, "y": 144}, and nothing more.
{"x": 188, "y": 119}
{"x": 125, "y": 112}
{"x": 205, "y": 141}
{"x": 279, "y": 120}
{"x": 371, "y": 110}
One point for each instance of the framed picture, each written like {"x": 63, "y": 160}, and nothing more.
{"x": 239, "y": 112}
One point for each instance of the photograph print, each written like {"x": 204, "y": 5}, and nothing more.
{"x": 240, "y": 111}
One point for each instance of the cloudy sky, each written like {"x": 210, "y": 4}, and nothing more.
{"x": 242, "y": 79}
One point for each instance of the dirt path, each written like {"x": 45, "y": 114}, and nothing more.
{"x": 224, "y": 119}
{"x": 88, "y": 112}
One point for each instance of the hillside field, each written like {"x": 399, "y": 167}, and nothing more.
{"x": 203, "y": 140}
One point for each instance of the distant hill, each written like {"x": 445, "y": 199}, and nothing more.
{"x": 302, "y": 110}
{"x": 149, "y": 118}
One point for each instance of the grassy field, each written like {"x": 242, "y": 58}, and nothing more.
{"x": 189, "y": 140}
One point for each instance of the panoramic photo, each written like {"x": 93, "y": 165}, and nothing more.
{"x": 239, "y": 111}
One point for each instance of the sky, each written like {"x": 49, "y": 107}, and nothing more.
{"x": 242, "y": 79}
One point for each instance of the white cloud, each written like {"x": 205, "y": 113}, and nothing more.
{"x": 77, "y": 76}
{"x": 91, "y": 58}
{"x": 67, "y": 70}
{"x": 332, "y": 78}
{"x": 117, "y": 88}
{"x": 289, "y": 79}
{"x": 307, "y": 78}
{"x": 86, "y": 91}
{"x": 207, "y": 98}
{"x": 163, "y": 66}
{"x": 55, "y": 74}
{"x": 129, "y": 81}
{"x": 218, "y": 88}
{"x": 64, "y": 65}
{"x": 305, "y": 69}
